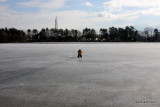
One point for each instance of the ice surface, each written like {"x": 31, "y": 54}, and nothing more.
{"x": 108, "y": 75}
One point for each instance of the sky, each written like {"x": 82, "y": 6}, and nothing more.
{"x": 79, "y": 14}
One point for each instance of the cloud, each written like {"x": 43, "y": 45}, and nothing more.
{"x": 118, "y": 5}
{"x": 144, "y": 12}
{"x": 9, "y": 18}
{"x": 122, "y": 5}
{"x": 88, "y": 4}
{"x": 44, "y": 4}
{"x": 130, "y": 10}
{"x": 106, "y": 14}
{"x": 151, "y": 11}
{"x": 72, "y": 19}
{"x": 120, "y": 16}
{"x": 3, "y": 0}
{"x": 128, "y": 15}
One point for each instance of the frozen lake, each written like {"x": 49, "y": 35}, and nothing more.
{"x": 108, "y": 75}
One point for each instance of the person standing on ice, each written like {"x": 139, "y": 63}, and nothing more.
{"x": 79, "y": 53}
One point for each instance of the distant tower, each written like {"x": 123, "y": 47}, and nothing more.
{"x": 56, "y": 23}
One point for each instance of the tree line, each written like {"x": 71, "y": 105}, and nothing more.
{"x": 12, "y": 35}
{"x": 113, "y": 34}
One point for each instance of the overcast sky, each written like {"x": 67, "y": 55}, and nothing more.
{"x": 78, "y": 14}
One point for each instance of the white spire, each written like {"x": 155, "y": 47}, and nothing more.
{"x": 56, "y": 23}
